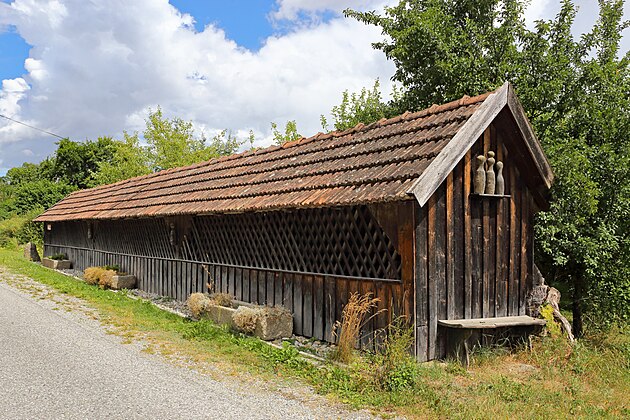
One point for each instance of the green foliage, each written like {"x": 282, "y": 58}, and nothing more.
{"x": 57, "y": 257}
{"x": 577, "y": 95}
{"x": 396, "y": 368}
{"x": 290, "y": 133}
{"x": 172, "y": 142}
{"x": 129, "y": 160}
{"x": 364, "y": 107}
{"x": 19, "y": 229}
{"x": 40, "y": 194}
{"x": 75, "y": 162}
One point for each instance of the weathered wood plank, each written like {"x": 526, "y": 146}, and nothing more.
{"x": 297, "y": 305}
{"x": 494, "y": 322}
{"x": 318, "y": 307}
{"x": 525, "y": 227}
{"x": 329, "y": 308}
{"x": 405, "y": 293}
{"x": 468, "y": 259}
{"x": 278, "y": 288}
{"x": 307, "y": 309}
{"x": 450, "y": 249}
{"x": 421, "y": 287}
{"x": 287, "y": 294}
{"x": 457, "y": 245}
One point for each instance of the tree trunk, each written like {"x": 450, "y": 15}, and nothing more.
{"x": 578, "y": 296}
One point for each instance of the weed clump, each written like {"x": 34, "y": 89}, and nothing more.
{"x": 91, "y": 275}
{"x": 245, "y": 319}
{"x": 222, "y": 299}
{"x": 99, "y": 275}
{"x": 397, "y": 369}
{"x": 198, "y": 303}
{"x": 105, "y": 280}
{"x": 353, "y": 318}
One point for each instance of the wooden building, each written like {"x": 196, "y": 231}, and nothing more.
{"x": 388, "y": 208}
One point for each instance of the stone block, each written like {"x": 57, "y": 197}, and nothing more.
{"x": 57, "y": 264}
{"x": 220, "y": 315}
{"x": 30, "y": 252}
{"x": 123, "y": 282}
{"x": 274, "y": 323}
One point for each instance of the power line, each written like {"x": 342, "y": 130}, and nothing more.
{"x": 30, "y": 126}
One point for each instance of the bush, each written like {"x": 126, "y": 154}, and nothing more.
{"x": 105, "y": 280}
{"x": 99, "y": 275}
{"x": 91, "y": 275}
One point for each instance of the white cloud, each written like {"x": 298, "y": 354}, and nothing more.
{"x": 97, "y": 67}
{"x": 536, "y": 10}
{"x": 291, "y": 9}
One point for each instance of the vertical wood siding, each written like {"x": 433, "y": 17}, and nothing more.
{"x": 316, "y": 299}
{"x": 473, "y": 255}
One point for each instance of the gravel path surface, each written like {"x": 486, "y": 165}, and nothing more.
{"x": 57, "y": 361}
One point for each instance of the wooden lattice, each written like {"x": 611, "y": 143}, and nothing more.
{"x": 337, "y": 241}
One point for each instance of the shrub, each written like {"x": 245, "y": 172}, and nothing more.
{"x": 222, "y": 299}
{"x": 353, "y": 318}
{"x": 245, "y": 319}
{"x": 57, "y": 257}
{"x": 105, "y": 280}
{"x": 91, "y": 275}
{"x": 99, "y": 275}
{"x": 197, "y": 303}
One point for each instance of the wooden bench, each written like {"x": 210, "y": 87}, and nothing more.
{"x": 460, "y": 330}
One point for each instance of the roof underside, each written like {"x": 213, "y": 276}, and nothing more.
{"x": 366, "y": 164}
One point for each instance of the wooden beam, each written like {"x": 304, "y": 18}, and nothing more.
{"x": 433, "y": 176}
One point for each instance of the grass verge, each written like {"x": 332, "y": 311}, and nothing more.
{"x": 554, "y": 380}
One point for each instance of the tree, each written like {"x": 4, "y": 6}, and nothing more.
{"x": 75, "y": 162}
{"x": 577, "y": 94}
{"x": 172, "y": 142}
{"x": 130, "y": 159}
{"x": 364, "y": 107}
{"x": 290, "y": 133}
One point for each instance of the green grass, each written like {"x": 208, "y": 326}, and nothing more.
{"x": 591, "y": 379}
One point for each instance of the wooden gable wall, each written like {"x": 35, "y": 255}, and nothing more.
{"x": 473, "y": 255}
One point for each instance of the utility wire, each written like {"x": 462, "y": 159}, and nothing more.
{"x": 30, "y": 126}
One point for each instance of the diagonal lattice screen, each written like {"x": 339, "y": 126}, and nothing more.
{"x": 338, "y": 241}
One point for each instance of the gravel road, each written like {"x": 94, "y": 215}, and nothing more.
{"x": 59, "y": 363}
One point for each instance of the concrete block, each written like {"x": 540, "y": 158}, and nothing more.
{"x": 57, "y": 264}
{"x": 274, "y": 323}
{"x": 123, "y": 282}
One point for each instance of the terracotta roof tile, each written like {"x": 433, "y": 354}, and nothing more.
{"x": 363, "y": 164}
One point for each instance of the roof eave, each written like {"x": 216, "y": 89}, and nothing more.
{"x": 435, "y": 174}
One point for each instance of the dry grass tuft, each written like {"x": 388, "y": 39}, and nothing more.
{"x": 91, "y": 275}
{"x": 105, "y": 279}
{"x": 353, "y": 318}
{"x": 245, "y": 319}
{"x": 222, "y": 299}
{"x": 197, "y": 303}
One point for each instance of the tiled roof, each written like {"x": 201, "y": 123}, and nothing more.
{"x": 365, "y": 164}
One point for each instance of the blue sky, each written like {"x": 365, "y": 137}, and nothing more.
{"x": 85, "y": 69}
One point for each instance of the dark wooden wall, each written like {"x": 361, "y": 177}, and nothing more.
{"x": 474, "y": 255}
{"x": 142, "y": 247}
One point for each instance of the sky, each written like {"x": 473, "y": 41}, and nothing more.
{"x": 88, "y": 68}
